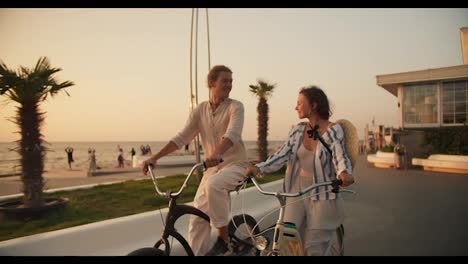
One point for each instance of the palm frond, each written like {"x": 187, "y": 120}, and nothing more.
{"x": 42, "y": 64}
{"x": 25, "y": 73}
{"x": 8, "y": 78}
{"x": 26, "y": 84}
{"x": 253, "y": 89}
{"x": 13, "y": 96}
{"x": 58, "y": 87}
{"x": 263, "y": 89}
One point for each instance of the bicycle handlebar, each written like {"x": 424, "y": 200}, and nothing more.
{"x": 334, "y": 183}
{"x": 184, "y": 185}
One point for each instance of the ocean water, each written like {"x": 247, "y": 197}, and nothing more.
{"x": 106, "y": 153}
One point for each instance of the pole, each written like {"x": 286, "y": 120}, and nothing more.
{"x": 208, "y": 38}
{"x": 192, "y": 96}
{"x": 197, "y": 138}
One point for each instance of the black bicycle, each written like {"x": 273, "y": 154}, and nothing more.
{"x": 240, "y": 244}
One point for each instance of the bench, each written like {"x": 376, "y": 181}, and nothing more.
{"x": 382, "y": 159}
{"x": 444, "y": 163}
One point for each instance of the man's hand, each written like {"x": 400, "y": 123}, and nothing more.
{"x": 144, "y": 164}
{"x": 347, "y": 179}
{"x": 212, "y": 161}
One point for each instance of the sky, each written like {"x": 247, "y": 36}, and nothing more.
{"x": 131, "y": 67}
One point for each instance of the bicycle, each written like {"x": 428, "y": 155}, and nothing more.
{"x": 286, "y": 238}
{"x": 178, "y": 210}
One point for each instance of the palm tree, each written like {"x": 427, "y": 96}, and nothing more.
{"x": 28, "y": 88}
{"x": 262, "y": 90}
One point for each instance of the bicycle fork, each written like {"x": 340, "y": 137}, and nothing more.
{"x": 174, "y": 213}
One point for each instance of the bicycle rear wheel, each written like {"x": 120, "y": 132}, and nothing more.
{"x": 241, "y": 229}
{"x": 147, "y": 251}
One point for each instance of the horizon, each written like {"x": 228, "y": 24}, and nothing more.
{"x": 131, "y": 66}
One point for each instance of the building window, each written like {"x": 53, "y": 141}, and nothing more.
{"x": 420, "y": 104}
{"x": 454, "y": 102}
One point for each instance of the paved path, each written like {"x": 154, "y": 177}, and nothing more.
{"x": 406, "y": 213}
{"x": 66, "y": 178}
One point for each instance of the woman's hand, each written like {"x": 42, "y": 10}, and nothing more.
{"x": 347, "y": 178}
{"x": 253, "y": 170}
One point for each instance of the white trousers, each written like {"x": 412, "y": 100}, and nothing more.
{"x": 318, "y": 221}
{"x": 324, "y": 242}
{"x": 213, "y": 198}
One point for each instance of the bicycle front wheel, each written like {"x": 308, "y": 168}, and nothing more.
{"x": 147, "y": 252}
{"x": 241, "y": 231}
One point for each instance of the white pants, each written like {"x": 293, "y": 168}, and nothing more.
{"x": 318, "y": 221}
{"x": 213, "y": 198}
{"x": 324, "y": 242}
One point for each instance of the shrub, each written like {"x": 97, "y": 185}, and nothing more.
{"x": 447, "y": 140}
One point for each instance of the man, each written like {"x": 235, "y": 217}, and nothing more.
{"x": 219, "y": 122}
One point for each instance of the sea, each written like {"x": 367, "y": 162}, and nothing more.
{"x": 106, "y": 154}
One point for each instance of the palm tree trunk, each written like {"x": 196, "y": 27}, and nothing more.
{"x": 31, "y": 151}
{"x": 262, "y": 142}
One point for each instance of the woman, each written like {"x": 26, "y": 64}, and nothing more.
{"x": 320, "y": 216}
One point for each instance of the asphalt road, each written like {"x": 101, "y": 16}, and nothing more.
{"x": 406, "y": 213}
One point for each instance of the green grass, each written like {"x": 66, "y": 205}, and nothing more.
{"x": 106, "y": 202}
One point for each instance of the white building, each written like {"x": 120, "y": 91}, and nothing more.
{"x": 430, "y": 98}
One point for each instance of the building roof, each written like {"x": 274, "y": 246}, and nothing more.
{"x": 390, "y": 82}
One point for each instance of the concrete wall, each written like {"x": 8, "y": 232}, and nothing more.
{"x": 118, "y": 237}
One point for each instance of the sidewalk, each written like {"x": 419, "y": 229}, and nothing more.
{"x": 73, "y": 178}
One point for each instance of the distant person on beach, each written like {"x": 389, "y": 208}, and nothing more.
{"x": 219, "y": 122}
{"x": 143, "y": 150}
{"x": 69, "y": 151}
{"x": 320, "y": 217}
{"x": 148, "y": 149}
{"x": 92, "y": 161}
{"x": 132, "y": 152}
{"x": 120, "y": 159}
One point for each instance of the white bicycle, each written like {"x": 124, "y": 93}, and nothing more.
{"x": 286, "y": 238}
